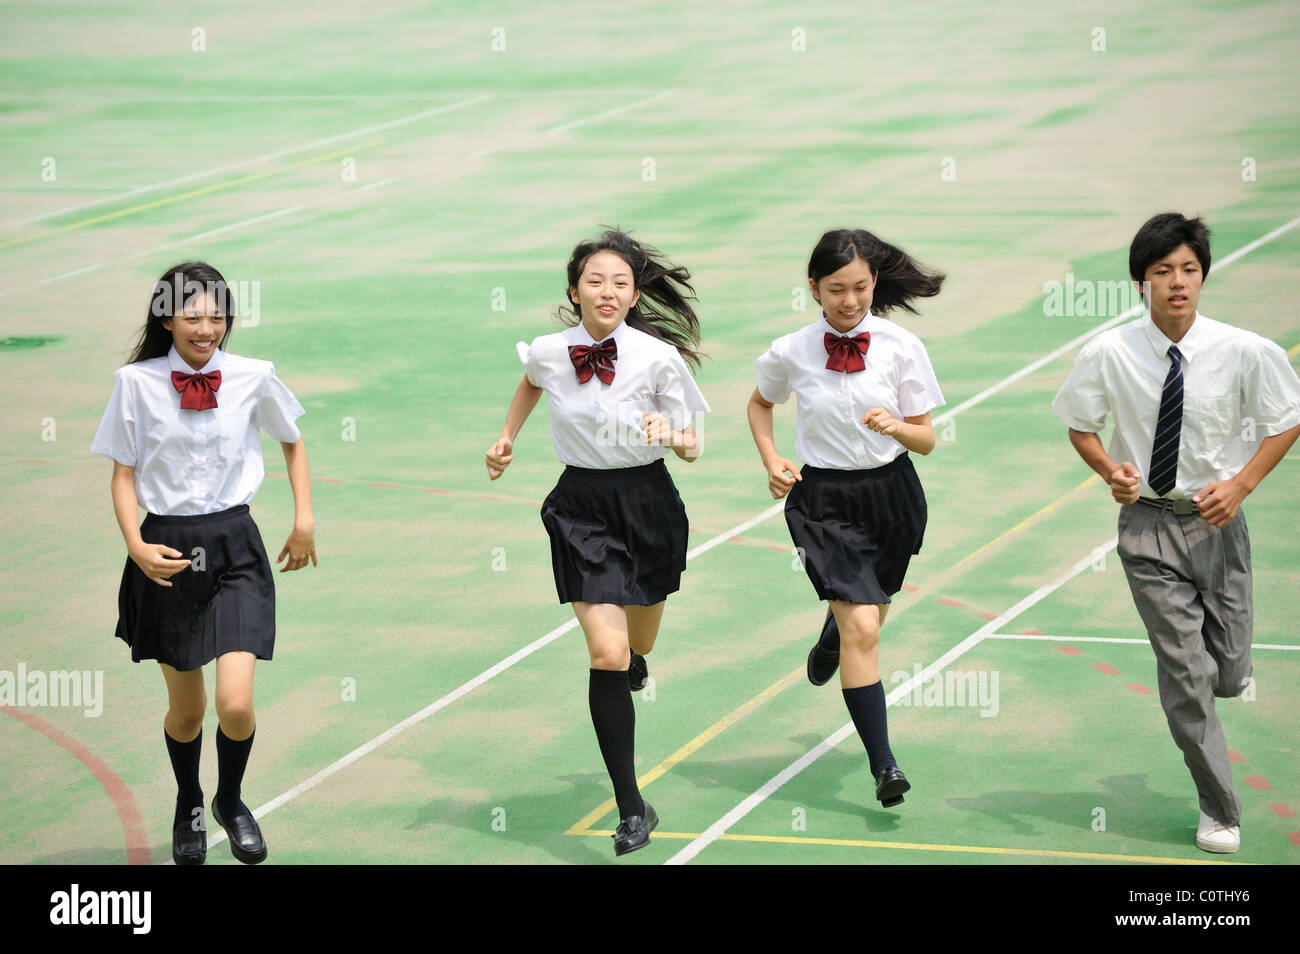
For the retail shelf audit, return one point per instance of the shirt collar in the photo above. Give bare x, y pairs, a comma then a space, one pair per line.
584, 337
1187, 347
857, 329
176, 363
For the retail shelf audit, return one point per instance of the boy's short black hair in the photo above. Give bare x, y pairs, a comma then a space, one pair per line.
1163, 233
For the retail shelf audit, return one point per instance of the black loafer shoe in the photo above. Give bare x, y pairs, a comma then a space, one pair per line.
634, 831
189, 847
891, 783
822, 663
245, 837
637, 672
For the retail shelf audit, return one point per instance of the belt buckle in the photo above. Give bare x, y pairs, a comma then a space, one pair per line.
1179, 508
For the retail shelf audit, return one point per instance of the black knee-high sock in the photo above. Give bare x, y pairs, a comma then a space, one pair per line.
232, 757
614, 718
867, 707
830, 637
185, 766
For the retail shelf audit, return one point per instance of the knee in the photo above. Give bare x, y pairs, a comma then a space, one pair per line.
861, 635
613, 660
1187, 734
1233, 679
235, 709
186, 714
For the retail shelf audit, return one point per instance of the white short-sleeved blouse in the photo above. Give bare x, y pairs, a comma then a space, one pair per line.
191, 462
601, 426
898, 377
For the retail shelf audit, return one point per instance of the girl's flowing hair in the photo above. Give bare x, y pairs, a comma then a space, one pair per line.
663, 310
178, 285
899, 278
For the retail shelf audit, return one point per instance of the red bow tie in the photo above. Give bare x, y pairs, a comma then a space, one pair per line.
198, 391
598, 360
846, 353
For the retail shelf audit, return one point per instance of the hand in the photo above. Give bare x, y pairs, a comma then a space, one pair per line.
777, 481
300, 547
881, 421
158, 561
1219, 501
657, 430
499, 456
1125, 482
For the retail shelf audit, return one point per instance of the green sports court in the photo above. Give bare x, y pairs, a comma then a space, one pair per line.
399, 185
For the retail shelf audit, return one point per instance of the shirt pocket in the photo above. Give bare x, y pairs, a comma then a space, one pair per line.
1210, 425
233, 442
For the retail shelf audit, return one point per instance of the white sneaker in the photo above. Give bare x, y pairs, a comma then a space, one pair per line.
1216, 837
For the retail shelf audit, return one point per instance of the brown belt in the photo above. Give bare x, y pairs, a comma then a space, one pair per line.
1180, 507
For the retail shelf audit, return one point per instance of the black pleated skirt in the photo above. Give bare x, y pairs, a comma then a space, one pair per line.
223, 602
617, 536
857, 529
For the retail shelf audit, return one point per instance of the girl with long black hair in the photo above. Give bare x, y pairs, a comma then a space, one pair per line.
856, 510
181, 428
620, 396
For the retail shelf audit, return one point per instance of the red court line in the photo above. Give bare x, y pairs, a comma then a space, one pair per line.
1295, 837
137, 845
1068, 650
1033, 632
1140, 689
947, 602
1235, 756
1282, 809
1257, 782
757, 543
1106, 668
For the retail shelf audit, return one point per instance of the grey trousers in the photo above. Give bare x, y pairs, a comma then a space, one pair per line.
1191, 583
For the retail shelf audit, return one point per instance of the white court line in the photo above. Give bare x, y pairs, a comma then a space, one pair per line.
1133, 312
376, 185
446, 700
579, 122
610, 112
719, 827
192, 238
1114, 639
415, 117
708, 545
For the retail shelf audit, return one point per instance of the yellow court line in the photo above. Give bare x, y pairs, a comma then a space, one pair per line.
156, 203
731, 718
1026, 522
1294, 351
919, 846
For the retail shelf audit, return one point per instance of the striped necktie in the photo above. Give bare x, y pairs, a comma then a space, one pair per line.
1164, 453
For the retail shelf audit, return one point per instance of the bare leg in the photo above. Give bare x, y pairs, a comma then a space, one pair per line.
186, 703
859, 625
605, 627
235, 695
643, 626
